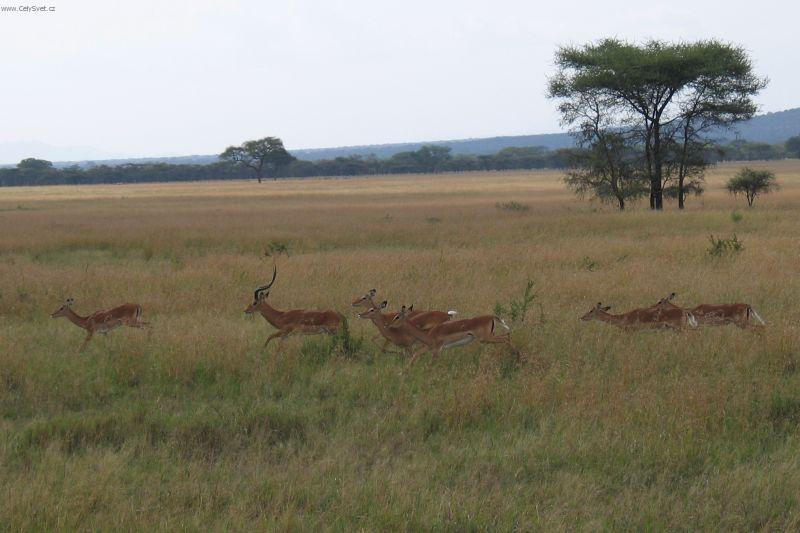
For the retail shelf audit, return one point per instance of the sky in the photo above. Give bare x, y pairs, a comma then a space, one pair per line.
154, 78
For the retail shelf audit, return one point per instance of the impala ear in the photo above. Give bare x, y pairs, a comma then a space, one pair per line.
599, 305
606, 308
410, 308
69, 302
383, 304
373, 292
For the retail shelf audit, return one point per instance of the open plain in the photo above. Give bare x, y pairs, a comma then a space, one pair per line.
193, 425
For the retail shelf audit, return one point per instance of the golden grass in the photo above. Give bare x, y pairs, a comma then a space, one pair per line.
195, 426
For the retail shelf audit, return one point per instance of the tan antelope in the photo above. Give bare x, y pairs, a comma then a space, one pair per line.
719, 314
650, 318
454, 333
391, 335
296, 321
424, 320
102, 321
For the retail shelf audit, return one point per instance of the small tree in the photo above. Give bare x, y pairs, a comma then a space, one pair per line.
259, 155
751, 183
606, 165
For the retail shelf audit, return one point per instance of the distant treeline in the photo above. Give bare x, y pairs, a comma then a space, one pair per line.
428, 159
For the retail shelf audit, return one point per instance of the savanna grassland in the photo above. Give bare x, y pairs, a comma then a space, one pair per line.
194, 426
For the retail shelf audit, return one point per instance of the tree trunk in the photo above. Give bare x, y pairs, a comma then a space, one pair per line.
621, 201
656, 195
680, 192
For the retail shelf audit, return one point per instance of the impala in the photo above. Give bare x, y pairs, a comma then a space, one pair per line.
296, 321
643, 319
394, 335
424, 320
102, 321
453, 333
718, 315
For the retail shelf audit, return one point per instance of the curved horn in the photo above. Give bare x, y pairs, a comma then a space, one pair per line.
262, 288
274, 275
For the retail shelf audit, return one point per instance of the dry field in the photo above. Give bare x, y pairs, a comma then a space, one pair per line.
196, 427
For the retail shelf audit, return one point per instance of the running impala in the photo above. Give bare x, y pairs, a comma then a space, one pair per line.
102, 321
394, 335
296, 321
719, 314
650, 318
424, 320
453, 333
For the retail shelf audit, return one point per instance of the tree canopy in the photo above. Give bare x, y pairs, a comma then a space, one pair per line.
662, 98
752, 183
259, 155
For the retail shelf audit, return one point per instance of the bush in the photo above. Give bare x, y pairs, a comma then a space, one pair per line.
720, 246
517, 308
512, 206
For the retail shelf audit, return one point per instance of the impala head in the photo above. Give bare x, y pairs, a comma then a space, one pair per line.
261, 293
366, 300
373, 311
64, 309
596, 311
401, 317
666, 302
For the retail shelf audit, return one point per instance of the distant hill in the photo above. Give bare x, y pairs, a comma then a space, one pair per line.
770, 128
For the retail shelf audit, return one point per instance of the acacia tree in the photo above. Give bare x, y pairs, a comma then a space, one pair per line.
751, 183
653, 89
259, 155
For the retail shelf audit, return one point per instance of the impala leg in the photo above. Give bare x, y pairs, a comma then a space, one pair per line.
278, 334
86, 341
417, 354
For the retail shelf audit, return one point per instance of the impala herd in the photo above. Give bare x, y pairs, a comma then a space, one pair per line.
431, 331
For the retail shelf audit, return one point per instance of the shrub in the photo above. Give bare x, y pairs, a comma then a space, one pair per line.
589, 264
720, 246
512, 206
276, 248
517, 308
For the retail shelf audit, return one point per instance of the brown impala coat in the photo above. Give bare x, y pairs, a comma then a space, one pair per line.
102, 321
424, 320
718, 314
296, 321
454, 333
643, 319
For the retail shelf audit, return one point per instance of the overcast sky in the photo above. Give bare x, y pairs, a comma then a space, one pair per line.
145, 78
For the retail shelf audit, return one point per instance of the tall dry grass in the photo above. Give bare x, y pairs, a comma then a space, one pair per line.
195, 426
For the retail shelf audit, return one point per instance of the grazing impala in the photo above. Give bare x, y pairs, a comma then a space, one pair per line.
718, 315
643, 319
453, 333
296, 321
102, 321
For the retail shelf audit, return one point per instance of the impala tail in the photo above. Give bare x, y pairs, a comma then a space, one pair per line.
752, 312
502, 322
691, 319
452, 312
